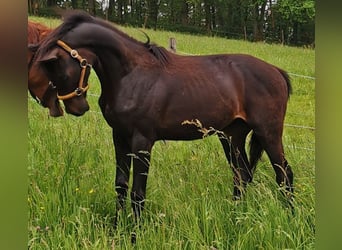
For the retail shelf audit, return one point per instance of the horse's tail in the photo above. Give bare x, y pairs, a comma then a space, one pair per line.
255, 152
287, 79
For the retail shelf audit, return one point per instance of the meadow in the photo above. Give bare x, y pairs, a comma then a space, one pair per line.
71, 172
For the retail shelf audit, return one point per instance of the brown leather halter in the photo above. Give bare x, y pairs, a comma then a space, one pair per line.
83, 64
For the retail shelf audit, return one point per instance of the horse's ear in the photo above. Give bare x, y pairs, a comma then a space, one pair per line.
49, 57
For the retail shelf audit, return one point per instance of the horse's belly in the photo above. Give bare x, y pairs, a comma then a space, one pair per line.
191, 129
179, 134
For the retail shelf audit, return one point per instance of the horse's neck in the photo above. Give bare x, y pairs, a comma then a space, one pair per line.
110, 70
116, 55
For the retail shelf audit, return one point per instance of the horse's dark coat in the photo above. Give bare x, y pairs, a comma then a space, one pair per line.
149, 94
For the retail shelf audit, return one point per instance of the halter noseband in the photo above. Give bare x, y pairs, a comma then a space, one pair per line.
83, 64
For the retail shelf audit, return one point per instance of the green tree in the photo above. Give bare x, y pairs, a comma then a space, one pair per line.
295, 20
284, 21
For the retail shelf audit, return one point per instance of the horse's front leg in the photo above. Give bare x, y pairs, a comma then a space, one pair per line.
141, 147
123, 163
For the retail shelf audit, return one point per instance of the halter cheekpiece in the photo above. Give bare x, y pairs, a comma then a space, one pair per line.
83, 64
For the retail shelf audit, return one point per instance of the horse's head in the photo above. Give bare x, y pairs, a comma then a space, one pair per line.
69, 71
40, 87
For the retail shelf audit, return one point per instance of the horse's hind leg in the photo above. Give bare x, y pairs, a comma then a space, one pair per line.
255, 152
272, 143
234, 147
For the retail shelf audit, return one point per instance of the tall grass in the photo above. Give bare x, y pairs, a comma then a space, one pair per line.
71, 167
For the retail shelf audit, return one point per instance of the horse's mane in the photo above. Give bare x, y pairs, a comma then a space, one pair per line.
72, 19
36, 32
160, 53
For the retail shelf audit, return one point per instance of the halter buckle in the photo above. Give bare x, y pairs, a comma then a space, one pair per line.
78, 91
74, 53
83, 63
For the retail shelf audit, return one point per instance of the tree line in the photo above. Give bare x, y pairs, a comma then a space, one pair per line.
290, 22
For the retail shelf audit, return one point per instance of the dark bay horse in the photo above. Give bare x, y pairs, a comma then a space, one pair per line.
149, 94
40, 88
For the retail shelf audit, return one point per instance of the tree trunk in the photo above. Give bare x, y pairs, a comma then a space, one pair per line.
272, 15
153, 9
258, 21
74, 4
111, 8
208, 20
120, 10
294, 39
29, 6
92, 7
51, 3
213, 16
184, 13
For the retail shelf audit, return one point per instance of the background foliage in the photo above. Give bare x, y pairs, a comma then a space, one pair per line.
278, 21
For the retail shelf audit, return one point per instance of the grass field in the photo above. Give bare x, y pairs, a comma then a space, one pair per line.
71, 167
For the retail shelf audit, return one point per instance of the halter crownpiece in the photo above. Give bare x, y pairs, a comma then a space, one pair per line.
83, 64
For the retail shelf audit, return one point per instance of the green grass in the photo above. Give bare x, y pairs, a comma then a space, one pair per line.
71, 167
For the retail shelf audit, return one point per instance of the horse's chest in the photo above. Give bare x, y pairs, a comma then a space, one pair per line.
119, 114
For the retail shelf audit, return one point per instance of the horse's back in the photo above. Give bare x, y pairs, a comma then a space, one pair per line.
236, 86
234, 71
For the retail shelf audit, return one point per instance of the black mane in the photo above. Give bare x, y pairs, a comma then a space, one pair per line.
160, 53
72, 19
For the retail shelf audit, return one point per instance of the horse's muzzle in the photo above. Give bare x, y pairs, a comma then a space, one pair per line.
76, 106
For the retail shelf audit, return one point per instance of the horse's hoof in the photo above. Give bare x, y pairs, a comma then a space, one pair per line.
133, 238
